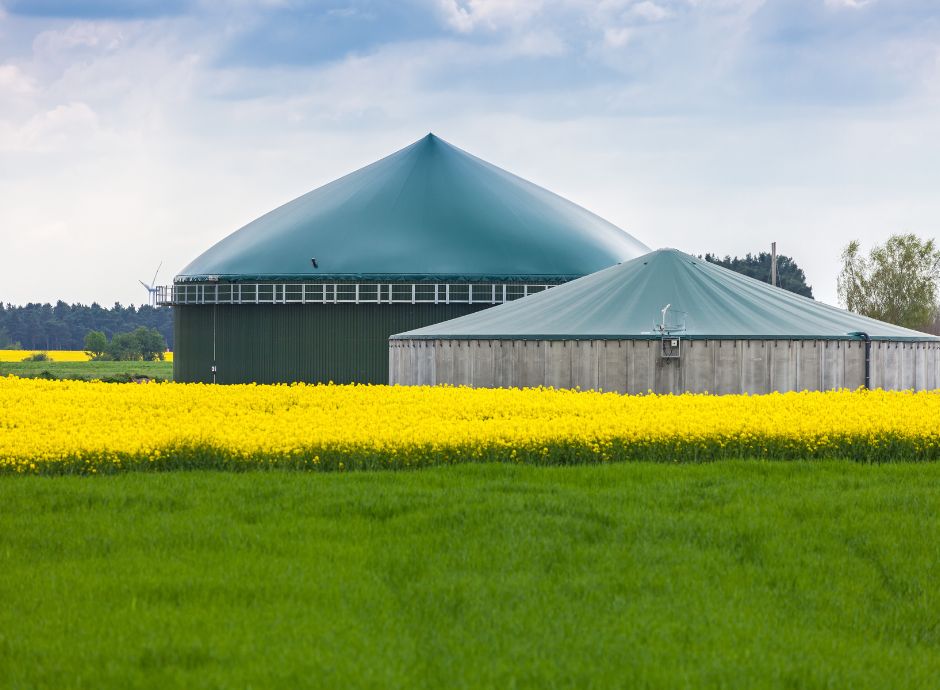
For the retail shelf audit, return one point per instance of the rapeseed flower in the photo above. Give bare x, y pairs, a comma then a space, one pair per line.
51, 427
56, 355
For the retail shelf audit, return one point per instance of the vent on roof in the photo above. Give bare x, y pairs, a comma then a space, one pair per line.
671, 324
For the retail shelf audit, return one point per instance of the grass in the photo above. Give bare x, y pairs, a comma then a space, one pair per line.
86, 371
731, 575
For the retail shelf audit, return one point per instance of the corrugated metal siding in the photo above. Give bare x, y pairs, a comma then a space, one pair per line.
343, 343
192, 358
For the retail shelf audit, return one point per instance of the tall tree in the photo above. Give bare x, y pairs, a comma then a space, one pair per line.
897, 282
789, 275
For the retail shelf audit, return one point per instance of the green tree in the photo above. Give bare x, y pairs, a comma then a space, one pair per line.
897, 282
150, 343
96, 344
789, 275
123, 347
141, 343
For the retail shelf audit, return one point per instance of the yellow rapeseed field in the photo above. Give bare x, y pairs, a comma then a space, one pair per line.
56, 355
77, 427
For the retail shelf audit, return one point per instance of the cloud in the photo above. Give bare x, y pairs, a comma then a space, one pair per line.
70, 124
539, 43
100, 37
650, 11
13, 82
850, 4
618, 37
466, 16
457, 16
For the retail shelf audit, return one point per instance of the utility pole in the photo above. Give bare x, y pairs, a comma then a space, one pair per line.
773, 264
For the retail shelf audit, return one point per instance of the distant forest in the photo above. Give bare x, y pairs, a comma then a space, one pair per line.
64, 326
789, 275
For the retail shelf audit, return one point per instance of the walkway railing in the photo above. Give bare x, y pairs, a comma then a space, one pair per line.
344, 293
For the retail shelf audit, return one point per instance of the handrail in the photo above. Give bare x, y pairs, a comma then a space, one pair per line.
344, 293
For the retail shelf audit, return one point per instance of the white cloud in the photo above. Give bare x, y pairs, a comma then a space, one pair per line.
467, 15
456, 16
848, 4
101, 36
72, 125
14, 82
540, 44
727, 5
650, 11
618, 37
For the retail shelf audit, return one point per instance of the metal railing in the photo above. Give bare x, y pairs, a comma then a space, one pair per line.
344, 293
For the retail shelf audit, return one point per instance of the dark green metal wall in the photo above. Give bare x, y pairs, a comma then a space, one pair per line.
270, 343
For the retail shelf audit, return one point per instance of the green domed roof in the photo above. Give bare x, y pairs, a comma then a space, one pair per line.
706, 301
428, 212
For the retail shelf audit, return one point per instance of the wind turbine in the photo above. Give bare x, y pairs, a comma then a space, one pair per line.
152, 288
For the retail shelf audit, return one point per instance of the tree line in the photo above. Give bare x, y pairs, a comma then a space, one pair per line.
64, 326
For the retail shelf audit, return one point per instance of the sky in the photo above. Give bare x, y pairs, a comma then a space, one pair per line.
135, 132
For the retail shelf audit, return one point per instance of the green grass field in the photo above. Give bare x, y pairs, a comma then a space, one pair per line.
731, 575
106, 371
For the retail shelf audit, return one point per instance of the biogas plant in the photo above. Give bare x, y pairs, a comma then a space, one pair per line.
312, 290
432, 266
668, 322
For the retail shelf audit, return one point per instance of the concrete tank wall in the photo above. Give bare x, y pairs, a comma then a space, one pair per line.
636, 366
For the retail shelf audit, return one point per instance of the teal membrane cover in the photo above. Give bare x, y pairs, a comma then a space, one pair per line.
428, 212
627, 301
